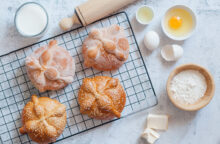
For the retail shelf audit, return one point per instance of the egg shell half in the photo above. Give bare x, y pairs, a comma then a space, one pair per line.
172, 52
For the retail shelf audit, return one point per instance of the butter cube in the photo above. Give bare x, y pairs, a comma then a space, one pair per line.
150, 135
157, 122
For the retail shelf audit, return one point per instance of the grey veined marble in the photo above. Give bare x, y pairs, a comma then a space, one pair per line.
201, 127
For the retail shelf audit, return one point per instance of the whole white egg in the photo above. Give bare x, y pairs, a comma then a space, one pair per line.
151, 40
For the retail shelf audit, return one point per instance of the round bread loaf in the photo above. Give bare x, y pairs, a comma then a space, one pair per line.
50, 67
43, 119
101, 97
105, 48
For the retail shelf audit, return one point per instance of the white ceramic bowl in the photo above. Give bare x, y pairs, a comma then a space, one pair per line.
139, 21
194, 22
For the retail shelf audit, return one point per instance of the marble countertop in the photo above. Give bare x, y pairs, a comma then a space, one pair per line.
201, 127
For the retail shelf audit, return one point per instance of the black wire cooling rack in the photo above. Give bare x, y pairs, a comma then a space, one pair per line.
16, 89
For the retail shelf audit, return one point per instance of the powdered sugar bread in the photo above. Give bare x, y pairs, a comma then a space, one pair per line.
101, 97
106, 48
50, 67
43, 119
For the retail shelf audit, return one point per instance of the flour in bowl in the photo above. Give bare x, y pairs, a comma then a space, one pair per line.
188, 86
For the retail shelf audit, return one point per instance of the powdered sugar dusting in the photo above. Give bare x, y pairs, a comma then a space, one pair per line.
106, 48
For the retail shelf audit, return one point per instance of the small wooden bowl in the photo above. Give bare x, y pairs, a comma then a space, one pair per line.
201, 102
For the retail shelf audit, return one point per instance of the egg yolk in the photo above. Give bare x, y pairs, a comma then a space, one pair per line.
175, 22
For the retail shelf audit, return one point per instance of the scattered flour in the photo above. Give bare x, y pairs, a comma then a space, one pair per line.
188, 86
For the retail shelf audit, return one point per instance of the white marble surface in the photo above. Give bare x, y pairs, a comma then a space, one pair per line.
202, 127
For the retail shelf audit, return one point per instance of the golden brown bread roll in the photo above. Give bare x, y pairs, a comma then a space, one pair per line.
43, 119
101, 97
50, 67
105, 48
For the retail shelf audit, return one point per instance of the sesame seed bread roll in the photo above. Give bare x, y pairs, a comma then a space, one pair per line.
43, 119
101, 97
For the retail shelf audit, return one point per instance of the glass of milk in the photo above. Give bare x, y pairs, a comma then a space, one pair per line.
31, 20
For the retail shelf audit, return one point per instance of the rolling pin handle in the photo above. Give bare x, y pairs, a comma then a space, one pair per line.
75, 19
67, 23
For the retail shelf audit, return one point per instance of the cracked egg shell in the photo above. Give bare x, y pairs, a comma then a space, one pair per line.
171, 52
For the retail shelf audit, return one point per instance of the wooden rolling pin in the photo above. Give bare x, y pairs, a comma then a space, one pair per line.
91, 11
